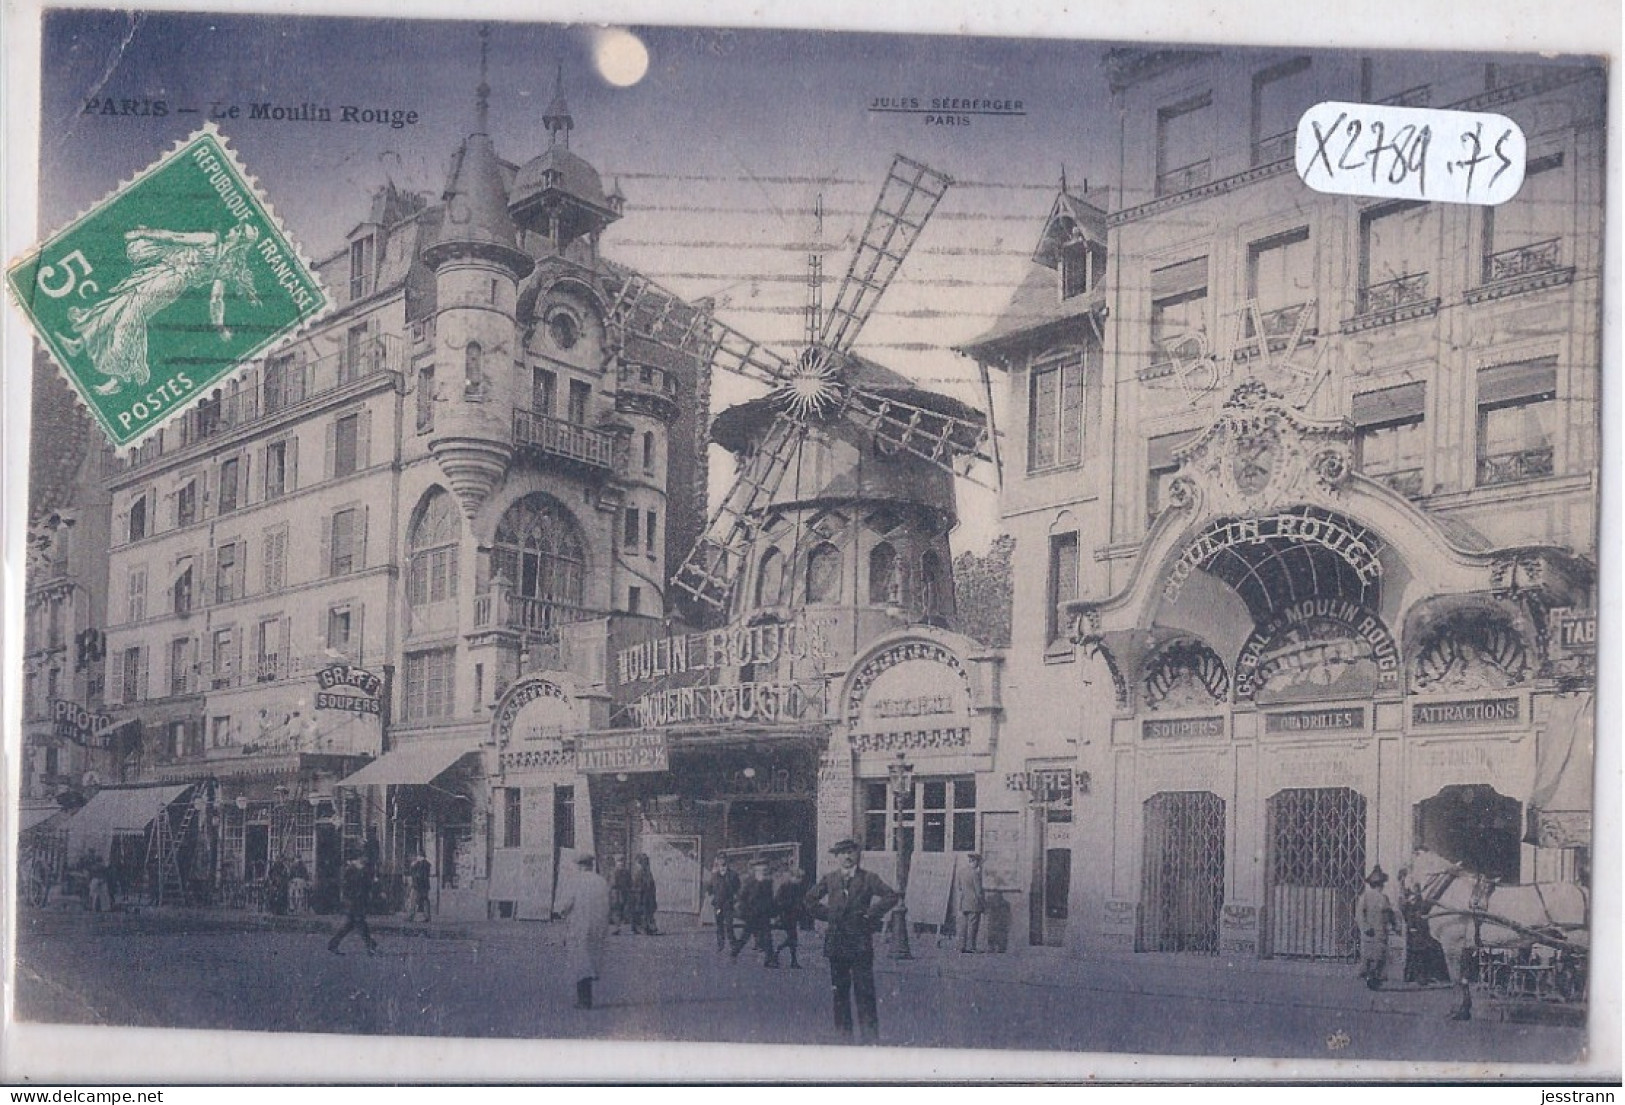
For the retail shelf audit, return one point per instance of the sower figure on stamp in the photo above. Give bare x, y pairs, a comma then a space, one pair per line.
968, 892
355, 888
1374, 919
853, 902
723, 887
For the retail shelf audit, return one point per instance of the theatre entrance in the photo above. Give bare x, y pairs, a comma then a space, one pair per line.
1182, 880
1314, 868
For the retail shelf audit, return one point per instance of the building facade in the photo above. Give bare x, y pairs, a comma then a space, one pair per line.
1304, 492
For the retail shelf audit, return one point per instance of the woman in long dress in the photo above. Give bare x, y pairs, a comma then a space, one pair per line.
168, 263
585, 907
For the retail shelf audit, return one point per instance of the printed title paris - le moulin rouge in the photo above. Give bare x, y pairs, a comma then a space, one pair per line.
393, 117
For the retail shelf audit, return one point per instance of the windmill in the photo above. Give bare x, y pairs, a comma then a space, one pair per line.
824, 384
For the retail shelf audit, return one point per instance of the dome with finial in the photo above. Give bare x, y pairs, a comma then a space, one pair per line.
559, 178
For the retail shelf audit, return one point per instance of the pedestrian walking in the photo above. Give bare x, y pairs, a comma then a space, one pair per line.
723, 887
620, 894
99, 885
641, 897
1374, 918
1424, 956
789, 907
852, 902
418, 874
584, 905
972, 899
756, 911
355, 889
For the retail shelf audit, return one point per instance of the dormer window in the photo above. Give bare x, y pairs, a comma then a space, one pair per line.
1081, 263
361, 267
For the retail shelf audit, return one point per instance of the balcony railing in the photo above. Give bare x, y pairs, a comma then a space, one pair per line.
559, 438
1508, 264
1277, 147
499, 608
1185, 177
1282, 321
1524, 464
282, 387
1391, 295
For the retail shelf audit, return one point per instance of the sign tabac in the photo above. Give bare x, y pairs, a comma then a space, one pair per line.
159, 292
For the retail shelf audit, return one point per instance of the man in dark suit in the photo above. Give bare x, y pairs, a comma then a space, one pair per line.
356, 888
724, 889
756, 910
853, 902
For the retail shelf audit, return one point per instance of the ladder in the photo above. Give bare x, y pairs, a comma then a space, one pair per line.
163, 866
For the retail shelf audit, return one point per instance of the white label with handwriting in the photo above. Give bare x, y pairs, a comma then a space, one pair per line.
1411, 153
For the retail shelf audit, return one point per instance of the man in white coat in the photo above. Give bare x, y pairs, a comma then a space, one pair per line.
584, 904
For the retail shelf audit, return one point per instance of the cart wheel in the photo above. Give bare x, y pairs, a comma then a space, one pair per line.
36, 885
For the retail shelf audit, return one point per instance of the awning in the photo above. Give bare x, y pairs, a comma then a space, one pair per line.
111, 812
37, 815
415, 763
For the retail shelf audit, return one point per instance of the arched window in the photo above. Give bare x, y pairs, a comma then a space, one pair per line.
432, 544
885, 583
648, 451
933, 589
770, 579
824, 574
538, 551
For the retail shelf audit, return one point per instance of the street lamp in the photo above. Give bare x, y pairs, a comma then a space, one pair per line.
901, 777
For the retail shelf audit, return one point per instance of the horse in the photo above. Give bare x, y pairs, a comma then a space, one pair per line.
1467, 911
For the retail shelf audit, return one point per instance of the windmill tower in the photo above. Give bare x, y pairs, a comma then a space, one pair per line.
845, 491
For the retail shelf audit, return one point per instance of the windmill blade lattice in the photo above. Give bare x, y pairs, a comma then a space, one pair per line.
942, 439
907, 199
644, 308
714, 563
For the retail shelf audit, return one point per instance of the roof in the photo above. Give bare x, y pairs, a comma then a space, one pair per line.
1035, 305
476, 200
411, 764
574, 176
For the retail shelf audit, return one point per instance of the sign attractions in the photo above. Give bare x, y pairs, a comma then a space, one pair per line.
633, 750
1475, 711
769, 702
733, 647
1325, 532
76, 723
349, 688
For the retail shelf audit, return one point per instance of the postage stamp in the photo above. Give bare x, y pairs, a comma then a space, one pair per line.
163, 288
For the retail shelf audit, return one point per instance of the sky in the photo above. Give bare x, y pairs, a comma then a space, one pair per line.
722, 148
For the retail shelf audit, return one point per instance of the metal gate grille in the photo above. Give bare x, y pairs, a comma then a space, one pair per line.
1183, 881
1315, 866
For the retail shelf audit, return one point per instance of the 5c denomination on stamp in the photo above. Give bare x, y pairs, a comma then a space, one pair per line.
165, 287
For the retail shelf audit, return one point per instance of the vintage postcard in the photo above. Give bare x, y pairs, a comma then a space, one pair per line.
1047, 555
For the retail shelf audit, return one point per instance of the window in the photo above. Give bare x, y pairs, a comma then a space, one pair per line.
276, 558
186, 503
885, 584
220, 731
1281, 280
580, 395
175, 740
136, 594
361, 267
283, 383
429, 684
564, 816
1063, 581
223, 658
538, 551
542, 386
1280, 95
182, 589
1517, 421
426, 397
1184, 145
1389, 440
138, 518
1394, 241
343, 542
276, 469
346, 444
770, 579
431, 581
473, 369
629, 528
1161, 468
1055, 415
648, 451
651, 529
634, 600
1178, 306
937, 815
230, 471
180, 665
1081, 265
338, 630
1524, 235
228, 573
512, 825
933, 584
824, 574
356, 353
268, 650
134, 675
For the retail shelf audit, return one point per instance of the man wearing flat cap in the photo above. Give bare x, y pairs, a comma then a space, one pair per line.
972, 899
853, 902
1374, 919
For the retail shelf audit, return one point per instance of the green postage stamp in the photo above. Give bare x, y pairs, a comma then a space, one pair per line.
161, 290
